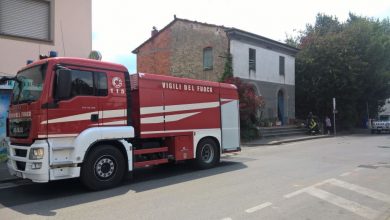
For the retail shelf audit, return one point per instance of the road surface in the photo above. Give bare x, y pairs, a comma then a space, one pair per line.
346, 177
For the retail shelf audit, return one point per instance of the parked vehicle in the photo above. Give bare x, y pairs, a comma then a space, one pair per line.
72, 117
380, 125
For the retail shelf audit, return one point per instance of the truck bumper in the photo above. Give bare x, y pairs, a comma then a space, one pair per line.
20, 165
380, 129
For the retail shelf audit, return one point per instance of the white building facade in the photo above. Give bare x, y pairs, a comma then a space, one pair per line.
270, 67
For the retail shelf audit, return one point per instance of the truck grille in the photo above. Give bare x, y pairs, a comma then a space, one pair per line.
19, 128
20, 165
20, 153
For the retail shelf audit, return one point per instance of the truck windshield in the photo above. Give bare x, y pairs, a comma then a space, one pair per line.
384, 117
29, 84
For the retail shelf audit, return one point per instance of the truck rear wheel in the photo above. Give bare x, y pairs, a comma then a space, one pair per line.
103, 168
207, 154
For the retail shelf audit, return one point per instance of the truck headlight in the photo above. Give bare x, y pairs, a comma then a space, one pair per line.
36, 153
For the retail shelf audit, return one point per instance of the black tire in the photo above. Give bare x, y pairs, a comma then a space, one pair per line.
207, 154
372, 131
103, 168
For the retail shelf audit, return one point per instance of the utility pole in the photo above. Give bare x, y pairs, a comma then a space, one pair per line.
334, 116
368, 123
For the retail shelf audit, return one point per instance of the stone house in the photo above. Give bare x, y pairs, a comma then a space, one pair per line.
185, 48
198, 50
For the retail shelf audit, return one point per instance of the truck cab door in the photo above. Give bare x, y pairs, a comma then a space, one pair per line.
71, 115
112, 98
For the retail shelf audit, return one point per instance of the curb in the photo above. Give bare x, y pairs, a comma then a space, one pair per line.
271, 143
11, 179
5, 176
306, 138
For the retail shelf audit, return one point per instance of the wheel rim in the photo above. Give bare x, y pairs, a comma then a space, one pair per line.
207, 153
105, 167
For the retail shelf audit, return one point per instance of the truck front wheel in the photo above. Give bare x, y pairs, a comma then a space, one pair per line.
103, 168
207, 154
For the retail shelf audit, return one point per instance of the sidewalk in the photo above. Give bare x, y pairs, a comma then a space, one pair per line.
4, 174
281, 140
295, 138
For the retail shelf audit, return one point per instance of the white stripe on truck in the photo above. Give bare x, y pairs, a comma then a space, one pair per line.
174, 108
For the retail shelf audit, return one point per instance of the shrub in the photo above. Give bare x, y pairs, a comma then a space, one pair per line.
250, 106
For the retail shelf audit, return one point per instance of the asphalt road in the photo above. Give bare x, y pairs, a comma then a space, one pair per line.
345, 177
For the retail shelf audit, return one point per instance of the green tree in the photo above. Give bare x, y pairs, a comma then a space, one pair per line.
228, 68
349, 61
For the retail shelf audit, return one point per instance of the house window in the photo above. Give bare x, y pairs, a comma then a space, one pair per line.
208, 58
25, 18
281, 66
252, 59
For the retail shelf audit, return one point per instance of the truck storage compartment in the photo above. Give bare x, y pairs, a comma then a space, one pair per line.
181, 147
170, 106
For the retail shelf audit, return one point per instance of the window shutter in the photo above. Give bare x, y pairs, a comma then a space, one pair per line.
25, 18
281, 66
252, 59
208, 58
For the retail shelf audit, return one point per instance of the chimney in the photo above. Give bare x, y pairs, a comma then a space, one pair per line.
154, 31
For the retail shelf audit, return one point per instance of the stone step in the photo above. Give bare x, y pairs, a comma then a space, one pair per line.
282, 131
287, 127
283, 134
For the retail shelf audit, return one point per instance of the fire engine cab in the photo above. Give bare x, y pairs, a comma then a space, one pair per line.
72, 117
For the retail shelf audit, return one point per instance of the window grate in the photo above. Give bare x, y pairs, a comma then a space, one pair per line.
252, 59
281, 65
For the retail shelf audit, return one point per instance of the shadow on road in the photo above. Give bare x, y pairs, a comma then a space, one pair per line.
69, 193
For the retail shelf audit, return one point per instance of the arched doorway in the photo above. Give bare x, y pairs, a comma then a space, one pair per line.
255, 90
281, 106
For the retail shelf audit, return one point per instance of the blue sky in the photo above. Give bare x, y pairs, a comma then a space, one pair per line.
119, 26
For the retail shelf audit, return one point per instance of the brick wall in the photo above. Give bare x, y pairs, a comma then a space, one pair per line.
188, 41
178, 50
154, 56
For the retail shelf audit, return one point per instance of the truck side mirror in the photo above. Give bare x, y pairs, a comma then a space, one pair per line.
4, 79
64, 84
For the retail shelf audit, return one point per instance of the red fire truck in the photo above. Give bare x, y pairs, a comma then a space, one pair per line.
72, 117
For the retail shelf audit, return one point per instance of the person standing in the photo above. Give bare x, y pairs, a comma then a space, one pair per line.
308, 120
328, 124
